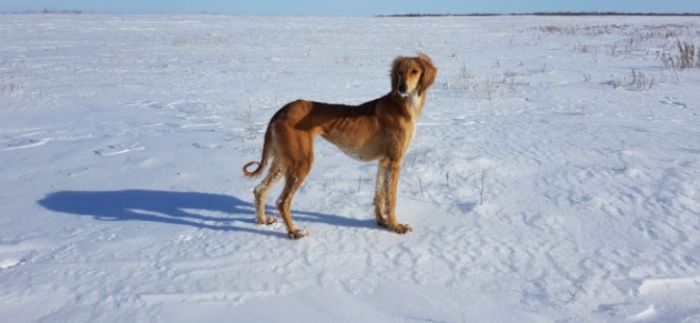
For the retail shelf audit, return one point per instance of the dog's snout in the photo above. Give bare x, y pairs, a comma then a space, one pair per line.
402, 88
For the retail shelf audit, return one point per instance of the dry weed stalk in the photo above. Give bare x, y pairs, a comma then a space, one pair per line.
252, 128
684, 59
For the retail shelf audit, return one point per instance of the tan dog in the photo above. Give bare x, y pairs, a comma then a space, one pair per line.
380, 129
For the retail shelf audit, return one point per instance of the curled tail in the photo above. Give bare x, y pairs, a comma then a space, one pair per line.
262, 164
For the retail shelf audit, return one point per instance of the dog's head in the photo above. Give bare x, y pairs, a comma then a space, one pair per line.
411, 75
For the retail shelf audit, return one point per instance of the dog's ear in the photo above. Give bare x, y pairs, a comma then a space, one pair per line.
429, 72
394, 71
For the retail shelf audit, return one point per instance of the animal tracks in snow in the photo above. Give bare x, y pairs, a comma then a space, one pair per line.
113, 150
206, 145
25, 143
673, 102
20, 139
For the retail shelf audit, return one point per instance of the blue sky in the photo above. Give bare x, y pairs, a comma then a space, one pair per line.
350, 7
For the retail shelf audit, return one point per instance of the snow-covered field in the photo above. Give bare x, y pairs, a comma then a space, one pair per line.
554, 175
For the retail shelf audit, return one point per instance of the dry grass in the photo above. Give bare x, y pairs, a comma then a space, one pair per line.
623, 48
252, 129
635, 41
640, 81
686, 56
636, 81
11, 86
464, 79
638, 33
587, 77
582, 30
208, 40
490, 88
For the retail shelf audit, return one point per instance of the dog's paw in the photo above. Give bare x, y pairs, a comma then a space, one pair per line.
382, 224
402, 228
298, 234
267, 220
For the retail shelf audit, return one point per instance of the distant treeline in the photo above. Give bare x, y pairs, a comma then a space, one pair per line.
48, 11
558, 13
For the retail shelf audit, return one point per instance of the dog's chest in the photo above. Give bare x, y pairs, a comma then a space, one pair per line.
363, 153
414, 104
413, 101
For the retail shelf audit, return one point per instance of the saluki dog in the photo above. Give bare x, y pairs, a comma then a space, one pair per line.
381, 129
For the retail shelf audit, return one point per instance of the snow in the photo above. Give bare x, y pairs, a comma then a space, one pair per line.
544, 182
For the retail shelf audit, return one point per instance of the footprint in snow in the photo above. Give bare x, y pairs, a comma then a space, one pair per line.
144, 104
113, 150
466, 207
25, 143
206, 145
630, 311
669, 100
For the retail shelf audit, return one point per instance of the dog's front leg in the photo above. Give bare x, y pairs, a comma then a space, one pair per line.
392, 171
380, 194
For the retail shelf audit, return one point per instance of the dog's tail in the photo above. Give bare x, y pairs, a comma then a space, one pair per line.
262, 164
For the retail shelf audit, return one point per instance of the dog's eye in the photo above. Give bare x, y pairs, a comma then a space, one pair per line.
414, 72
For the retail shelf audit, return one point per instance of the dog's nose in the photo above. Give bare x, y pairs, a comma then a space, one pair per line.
402, 88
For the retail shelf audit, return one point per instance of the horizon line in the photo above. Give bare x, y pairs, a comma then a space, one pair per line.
398, 15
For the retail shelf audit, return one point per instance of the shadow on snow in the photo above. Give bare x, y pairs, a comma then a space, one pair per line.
180, 208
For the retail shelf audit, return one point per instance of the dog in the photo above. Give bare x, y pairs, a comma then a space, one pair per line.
381, 129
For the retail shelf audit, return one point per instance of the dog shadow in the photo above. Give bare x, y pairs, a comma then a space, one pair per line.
178, 208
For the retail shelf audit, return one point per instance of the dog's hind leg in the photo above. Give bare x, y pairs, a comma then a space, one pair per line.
292, 183
295, 157
261, 191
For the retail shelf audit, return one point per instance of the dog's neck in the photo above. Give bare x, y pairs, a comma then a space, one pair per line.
412, 102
